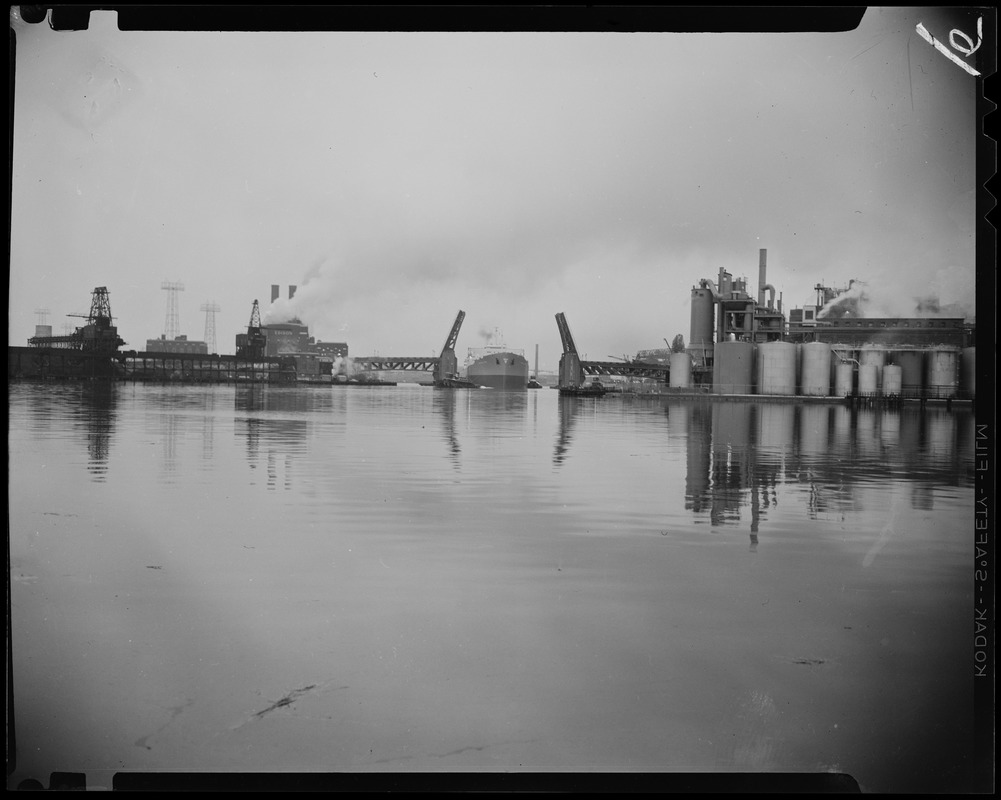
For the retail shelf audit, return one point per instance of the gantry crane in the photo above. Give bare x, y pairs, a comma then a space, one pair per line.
253, 349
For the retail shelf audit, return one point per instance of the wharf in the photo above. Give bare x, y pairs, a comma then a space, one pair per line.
858, 401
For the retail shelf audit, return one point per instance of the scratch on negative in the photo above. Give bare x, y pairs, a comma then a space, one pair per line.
287, 700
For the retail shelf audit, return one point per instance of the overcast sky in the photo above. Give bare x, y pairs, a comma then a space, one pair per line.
397, 178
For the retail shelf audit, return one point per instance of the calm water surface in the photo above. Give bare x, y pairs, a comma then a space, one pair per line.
407, 579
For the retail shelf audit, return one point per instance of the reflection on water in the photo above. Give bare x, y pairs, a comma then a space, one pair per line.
407, 578
97, 407
737, 453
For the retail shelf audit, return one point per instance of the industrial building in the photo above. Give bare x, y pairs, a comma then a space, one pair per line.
179, 344
742, 346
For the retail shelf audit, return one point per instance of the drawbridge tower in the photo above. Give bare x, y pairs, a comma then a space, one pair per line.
447, 366
571, 371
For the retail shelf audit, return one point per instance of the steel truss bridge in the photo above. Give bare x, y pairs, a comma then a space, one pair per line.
409, 363
628, 369
573, 369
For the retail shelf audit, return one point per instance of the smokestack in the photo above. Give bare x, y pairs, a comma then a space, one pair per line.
291, 292
762, 280
275, 292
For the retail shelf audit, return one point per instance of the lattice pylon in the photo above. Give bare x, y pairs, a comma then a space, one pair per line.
172, 325
210, 310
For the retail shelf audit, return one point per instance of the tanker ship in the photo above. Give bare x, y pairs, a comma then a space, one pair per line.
497, 367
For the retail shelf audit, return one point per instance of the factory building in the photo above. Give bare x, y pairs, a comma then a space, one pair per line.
291, 338
179, 344
739, 345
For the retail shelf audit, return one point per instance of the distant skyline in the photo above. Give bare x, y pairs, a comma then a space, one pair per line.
396, 178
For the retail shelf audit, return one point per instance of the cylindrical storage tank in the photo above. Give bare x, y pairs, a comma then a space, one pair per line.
892, 380
43, 330
733, 368
700, 339
968, 372
815, 371
844, 379
868, 379
777, 368
872, 355
942, 373
681, 370
912, 371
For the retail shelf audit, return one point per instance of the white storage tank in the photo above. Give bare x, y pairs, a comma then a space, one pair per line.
942, 372
681, 371
844, 379
816, 369
777, 368
868, 379
733, 368
892, 380
875, 356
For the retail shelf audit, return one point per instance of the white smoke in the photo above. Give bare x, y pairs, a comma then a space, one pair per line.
316, 297
343, 365
946, 297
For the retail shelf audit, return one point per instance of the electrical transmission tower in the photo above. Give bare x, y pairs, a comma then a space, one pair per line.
210, 310
172, 327
43, 316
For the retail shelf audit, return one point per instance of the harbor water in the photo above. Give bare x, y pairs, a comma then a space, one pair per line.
404, 579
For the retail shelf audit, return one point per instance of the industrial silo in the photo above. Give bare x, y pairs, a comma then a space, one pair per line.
912, 371
868, 379
681, 370
942, 372
777, 368
733, 368
700, 339
968, 372
892, 380
874, 357
844, 379
815, 369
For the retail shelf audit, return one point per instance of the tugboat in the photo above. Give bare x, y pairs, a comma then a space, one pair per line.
594, 389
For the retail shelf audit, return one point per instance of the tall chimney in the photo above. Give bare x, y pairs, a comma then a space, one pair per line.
291, 292
762, 279
275, 291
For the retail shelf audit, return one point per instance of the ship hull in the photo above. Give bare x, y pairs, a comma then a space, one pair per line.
504, 371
